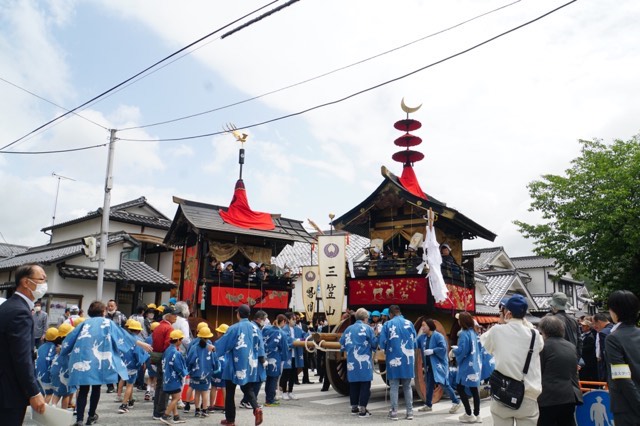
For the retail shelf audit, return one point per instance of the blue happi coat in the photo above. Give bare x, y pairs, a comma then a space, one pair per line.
468, 358
297, 352
398, 340
46, 353
359, 342
60, 376
133, 359
94, 352
276, 349
262, 372
202, 363
174, 369
243, 342
439, 360
216, 378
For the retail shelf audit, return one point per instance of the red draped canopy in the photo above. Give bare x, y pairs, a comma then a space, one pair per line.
410, 182
240, 214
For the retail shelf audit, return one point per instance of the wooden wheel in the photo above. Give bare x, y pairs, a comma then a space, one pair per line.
336, 363
421, 386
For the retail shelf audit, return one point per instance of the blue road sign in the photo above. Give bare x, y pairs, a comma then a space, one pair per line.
596, 409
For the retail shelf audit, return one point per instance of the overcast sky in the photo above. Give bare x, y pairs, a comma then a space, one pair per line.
494, 119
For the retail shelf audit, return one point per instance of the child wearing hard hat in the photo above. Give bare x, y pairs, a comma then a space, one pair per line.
134, 357
201, 363
175, 370
217, 383
60, 372
46, 353
152, 370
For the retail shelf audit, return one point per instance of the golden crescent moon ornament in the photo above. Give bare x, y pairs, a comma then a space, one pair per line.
407, 109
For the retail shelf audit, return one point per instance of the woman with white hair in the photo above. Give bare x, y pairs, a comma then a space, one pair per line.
359, 342
182, 324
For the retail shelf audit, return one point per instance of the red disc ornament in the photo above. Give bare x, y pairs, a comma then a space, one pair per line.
407, 125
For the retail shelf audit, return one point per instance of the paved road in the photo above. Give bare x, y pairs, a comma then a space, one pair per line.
312, 407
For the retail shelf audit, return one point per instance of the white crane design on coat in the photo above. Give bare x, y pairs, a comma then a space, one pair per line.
101, 356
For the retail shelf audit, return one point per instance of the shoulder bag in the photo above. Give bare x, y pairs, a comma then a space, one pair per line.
509, 391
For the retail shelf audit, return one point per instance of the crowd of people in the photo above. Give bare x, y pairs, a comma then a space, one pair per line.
249, 273
74, 360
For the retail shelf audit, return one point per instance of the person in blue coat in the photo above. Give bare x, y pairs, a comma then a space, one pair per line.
434, 349
62, 390
46, 353
218, 384
398, 340
276, 349
294, 360
152, 370
242, 342
133, 359
359, 342
259, 319
467, 354
94, 357
175, 370
202, 363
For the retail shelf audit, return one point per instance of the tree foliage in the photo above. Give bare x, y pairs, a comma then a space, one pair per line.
592, 215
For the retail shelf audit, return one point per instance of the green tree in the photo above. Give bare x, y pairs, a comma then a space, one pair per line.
592, 215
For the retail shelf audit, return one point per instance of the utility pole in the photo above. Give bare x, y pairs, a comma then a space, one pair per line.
106, 207
55, 203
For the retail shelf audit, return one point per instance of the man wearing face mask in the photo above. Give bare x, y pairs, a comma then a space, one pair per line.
18, 386
39, 323
114, 314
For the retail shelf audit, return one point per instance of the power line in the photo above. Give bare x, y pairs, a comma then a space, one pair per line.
308, 80
136, 75
57, 151
52, 103
336, 101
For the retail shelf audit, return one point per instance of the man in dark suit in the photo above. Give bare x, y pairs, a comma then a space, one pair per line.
18, 386
603, 326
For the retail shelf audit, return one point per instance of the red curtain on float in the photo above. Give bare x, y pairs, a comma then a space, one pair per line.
410, 182
240, 214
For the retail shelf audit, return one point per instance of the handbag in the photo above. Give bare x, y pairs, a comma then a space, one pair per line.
509, 391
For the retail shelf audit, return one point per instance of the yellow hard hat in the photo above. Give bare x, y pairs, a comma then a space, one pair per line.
205, 333
176, 334
160, 308
132, 324
201, 324
152, 306
51, 334
222, 328
154, 325
79, 320
64, 329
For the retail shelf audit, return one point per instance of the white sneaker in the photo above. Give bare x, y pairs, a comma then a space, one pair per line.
455, 407
466, 418
285, 396
426, 408
292, 396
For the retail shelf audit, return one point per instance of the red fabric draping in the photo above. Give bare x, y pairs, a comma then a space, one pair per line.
388, 291
410, 182
240, 214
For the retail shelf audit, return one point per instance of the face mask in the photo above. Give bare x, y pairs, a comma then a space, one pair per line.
38, 308
40, 291
112, 311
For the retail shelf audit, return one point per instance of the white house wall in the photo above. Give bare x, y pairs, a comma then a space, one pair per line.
77, 230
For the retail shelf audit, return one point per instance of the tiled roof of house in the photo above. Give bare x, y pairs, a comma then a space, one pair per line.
51, 253
118, 213
485, 256
498, 285
299, 254
132, 271
9, 250
529, 262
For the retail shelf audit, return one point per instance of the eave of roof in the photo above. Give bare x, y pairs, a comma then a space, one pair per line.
131, 272
202, 217
469, 228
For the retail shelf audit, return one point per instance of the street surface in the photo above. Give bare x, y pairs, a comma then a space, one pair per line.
312, 407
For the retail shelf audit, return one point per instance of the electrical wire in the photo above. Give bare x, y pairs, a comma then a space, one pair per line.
57, 151
308, 80
135, 76
50, 102
336, 101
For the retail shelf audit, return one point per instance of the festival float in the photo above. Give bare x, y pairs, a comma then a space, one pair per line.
406, 226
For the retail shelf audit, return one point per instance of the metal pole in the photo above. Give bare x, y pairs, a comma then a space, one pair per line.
55, 203
106, 207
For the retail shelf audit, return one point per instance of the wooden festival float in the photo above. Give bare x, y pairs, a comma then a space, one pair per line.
205, 235
395, 218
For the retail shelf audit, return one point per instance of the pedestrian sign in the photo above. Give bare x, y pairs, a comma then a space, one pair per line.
596, 410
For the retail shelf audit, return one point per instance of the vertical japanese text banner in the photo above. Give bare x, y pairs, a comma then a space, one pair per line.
310, 278
331, 261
